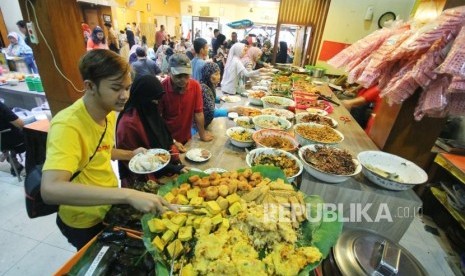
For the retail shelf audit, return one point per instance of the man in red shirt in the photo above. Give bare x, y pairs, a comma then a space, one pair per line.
182, 102
160, 36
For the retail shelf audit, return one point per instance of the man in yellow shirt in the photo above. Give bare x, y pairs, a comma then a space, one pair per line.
74, 135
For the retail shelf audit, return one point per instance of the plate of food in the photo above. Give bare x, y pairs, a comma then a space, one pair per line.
305, 117
212, 170
291, 165
244, 121
198, 155
321, 112
289, 115
248, 111
151, 161
231, 99
233, 115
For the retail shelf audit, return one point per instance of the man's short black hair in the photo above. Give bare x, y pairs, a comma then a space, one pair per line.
216, 31
199, 43
107, 24
140, 52
21, 24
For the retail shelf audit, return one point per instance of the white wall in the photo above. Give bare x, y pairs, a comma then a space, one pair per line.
346, 24
11, 14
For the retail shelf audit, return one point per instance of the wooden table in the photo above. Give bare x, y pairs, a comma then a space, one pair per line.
357, 192
20, 96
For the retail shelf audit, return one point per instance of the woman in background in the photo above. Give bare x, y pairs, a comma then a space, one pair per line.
19, 48
140, 124
235, 70
210, 77
97, 40
282, 53
251, 58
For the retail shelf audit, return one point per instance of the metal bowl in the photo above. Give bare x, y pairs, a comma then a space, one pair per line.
382, 168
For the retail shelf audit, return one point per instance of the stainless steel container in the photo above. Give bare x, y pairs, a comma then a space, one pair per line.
318, 72
363, 252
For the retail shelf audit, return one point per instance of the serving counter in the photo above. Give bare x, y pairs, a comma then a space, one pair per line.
360, 203
20, 96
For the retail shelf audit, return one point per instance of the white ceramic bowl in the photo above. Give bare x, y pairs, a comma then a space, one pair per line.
277, 102
244, 121
240, 143
317, 111
289, 115
324, 176
257, 152
299, 116
409, 173
305, 141
12, 82
258, 136
269, 122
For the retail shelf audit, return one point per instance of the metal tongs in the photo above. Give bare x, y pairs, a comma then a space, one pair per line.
328, 99
188, 209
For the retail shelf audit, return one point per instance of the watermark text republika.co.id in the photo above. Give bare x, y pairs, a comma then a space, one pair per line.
329, 212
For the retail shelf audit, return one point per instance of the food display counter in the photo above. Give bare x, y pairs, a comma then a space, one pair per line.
20, 96
360, 202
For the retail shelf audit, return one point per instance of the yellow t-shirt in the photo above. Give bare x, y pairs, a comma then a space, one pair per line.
71, 141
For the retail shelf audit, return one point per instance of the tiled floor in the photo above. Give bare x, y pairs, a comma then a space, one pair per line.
36, 247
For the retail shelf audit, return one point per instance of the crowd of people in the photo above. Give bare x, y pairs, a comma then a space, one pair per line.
164, 94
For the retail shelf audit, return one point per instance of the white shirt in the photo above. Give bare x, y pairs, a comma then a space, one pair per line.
232, 75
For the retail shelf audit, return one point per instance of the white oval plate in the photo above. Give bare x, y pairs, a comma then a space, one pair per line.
134, 167
231, 99
317, 111
233, 115
195, 155
211, 170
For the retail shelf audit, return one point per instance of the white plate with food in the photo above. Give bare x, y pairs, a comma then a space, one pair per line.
198, 155
212, 170
233, 115
231, 99
151, 161
317, 111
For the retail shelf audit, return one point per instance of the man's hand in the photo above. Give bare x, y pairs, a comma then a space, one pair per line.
148, 203
181, 147
206, 137
139, 150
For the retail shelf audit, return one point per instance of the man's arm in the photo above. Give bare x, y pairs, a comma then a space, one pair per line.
120, 154
18, 123
57, 189
200, 122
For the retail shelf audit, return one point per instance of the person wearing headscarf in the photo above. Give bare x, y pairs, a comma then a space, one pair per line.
140, 124
281, 57
19, 48
251, 57
210, 77
235, 70
97, 40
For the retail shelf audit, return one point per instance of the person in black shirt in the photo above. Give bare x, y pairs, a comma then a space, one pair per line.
12, 140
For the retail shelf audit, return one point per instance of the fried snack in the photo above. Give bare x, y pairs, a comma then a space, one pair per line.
276, 142
211, 193
223, 190
193, 179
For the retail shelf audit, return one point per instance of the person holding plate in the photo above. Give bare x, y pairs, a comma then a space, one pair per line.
140, 125
235, 70
81, 139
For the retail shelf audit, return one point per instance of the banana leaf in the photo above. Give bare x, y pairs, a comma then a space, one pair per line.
161, 265
322, 235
